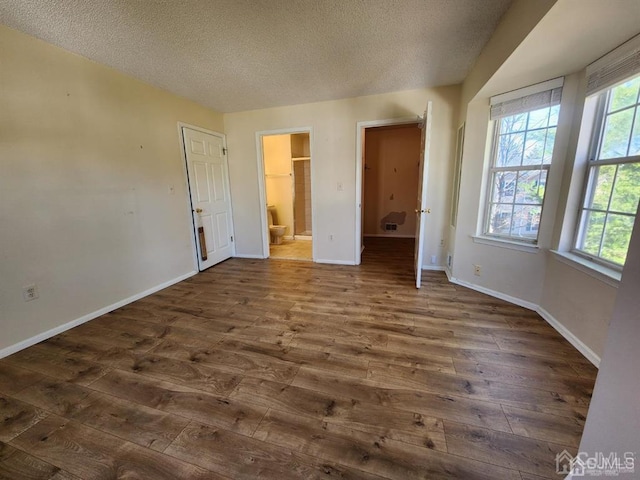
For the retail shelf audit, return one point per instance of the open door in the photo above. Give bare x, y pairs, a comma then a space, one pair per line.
421, 210
207, 171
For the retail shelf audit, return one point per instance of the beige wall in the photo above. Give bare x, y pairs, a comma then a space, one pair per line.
392, 157
278, 180
513, 273
333, 152
579, 303
515, 25
87, 159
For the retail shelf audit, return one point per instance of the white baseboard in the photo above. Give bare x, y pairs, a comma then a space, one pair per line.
447, 270
437, 268
495, 293
570, 337
258, 257
550, 319
11, 349
335, 262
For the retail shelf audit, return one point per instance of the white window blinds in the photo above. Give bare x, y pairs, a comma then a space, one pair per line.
615, 66
527, 99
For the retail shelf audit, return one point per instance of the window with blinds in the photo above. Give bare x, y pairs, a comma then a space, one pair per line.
524, 136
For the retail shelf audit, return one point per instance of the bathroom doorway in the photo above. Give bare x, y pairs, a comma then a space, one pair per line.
287, 186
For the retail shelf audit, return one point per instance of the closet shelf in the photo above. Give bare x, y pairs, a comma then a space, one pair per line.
300, 158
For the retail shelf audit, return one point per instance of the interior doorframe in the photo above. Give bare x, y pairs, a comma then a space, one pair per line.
360, 133
263, 191
189, 206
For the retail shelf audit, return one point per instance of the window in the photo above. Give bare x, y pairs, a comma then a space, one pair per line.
525, 131
613, 184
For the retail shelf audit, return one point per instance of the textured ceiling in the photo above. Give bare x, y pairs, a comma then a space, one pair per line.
234, 55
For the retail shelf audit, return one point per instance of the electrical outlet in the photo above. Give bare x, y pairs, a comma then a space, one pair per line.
30, 292
331, 238
340, 187
434, 259
477, 270
442, 242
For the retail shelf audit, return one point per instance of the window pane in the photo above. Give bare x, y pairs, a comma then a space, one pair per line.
514, 123
627, 189
616, 238
615, 138
593, 226
602, 183
548, 147
530, 187
500, 219
538, 118
624, 95
524, 145
634, 148
534, 147
553, 115
526, 221
510, 150
504, 187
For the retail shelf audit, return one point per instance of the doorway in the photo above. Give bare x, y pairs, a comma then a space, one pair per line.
287, 185
389, 172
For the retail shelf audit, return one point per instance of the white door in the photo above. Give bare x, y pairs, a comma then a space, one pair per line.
208, 175
421, 210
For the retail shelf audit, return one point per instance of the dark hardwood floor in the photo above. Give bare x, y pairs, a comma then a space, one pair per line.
280, 370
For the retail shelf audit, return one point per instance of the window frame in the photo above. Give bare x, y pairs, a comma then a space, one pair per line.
592, 163
533, 242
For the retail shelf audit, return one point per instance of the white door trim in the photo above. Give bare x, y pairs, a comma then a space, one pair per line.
185, 176
360, 127
263, 191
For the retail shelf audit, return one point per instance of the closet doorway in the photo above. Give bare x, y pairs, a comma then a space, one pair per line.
287, 189
387, 187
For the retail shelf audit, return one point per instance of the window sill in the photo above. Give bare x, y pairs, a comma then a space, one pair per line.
504, 243
606, 275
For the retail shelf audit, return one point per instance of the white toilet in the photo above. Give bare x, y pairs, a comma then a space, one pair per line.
276, 232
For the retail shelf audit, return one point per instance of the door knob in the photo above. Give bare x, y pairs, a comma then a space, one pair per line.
198, 210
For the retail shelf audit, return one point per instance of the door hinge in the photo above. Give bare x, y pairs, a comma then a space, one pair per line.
232, 238
224, 150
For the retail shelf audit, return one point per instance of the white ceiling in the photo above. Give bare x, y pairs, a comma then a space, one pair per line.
234, 55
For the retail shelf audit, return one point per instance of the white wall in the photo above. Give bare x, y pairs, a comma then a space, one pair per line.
333, 145
87, 158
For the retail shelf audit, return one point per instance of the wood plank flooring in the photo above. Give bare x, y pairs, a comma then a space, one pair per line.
279, 369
